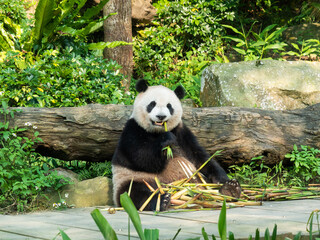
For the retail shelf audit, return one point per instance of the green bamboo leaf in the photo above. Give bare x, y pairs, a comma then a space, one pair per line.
103, 45
222, 223
64, 235
105, 228
129, 207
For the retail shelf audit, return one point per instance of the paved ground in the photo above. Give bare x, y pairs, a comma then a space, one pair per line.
290, 217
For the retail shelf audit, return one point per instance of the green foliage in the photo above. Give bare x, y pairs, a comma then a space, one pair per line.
182, 41
304, 48
257, 173
60, 79
54, 19
95, 170
306, 163
253, 46
22, 176
305, 169
13, 9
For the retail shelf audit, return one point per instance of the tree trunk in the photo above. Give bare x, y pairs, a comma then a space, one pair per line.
119, 28
91, 132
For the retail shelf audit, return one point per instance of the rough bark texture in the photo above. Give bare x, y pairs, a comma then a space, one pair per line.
91, 132
119, 28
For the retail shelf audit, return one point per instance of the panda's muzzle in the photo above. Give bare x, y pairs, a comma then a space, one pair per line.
160, 122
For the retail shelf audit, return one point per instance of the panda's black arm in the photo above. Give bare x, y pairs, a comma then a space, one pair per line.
140, 150
195, 152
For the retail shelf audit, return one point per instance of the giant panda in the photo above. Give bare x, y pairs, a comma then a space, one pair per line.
140, 154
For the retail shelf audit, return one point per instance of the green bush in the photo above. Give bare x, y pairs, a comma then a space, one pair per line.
58, 79
14, 9
184, 37
23, 178
306, 165
303, 170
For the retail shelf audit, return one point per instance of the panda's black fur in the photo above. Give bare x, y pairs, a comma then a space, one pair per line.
140, 155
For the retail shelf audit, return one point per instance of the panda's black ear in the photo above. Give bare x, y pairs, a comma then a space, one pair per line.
179, 91
141, 85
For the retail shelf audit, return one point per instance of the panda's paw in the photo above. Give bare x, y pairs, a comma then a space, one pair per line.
165, 201
168, 139
231, 188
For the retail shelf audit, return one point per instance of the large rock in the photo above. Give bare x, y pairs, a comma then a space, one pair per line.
266, 84
143, 11
87, 193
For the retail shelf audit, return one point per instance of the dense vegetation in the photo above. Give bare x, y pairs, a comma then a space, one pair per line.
52, 60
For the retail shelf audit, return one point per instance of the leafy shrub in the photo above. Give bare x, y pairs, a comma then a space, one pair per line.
22, 177
184, 38
305, 169
253, 46
306, 165
14, 9
58, 79
258, 173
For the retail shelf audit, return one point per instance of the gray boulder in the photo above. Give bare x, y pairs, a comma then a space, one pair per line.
265, 84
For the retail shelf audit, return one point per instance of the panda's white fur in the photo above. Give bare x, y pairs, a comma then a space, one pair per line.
162, 96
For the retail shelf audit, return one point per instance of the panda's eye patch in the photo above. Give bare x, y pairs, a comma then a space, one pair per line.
171, 110
151, 106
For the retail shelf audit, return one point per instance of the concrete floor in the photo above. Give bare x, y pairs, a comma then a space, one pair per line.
290, 217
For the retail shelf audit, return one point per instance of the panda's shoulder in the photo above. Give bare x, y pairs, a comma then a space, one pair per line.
133, 128
131, 125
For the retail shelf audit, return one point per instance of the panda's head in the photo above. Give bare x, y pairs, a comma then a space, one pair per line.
155, 105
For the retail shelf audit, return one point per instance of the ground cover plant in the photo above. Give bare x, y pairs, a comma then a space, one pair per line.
23, 177
302, 169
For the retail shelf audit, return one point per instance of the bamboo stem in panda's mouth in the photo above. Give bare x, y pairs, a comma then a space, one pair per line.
168, 148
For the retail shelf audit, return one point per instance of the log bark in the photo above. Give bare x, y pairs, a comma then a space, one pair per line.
119, 28
91, 132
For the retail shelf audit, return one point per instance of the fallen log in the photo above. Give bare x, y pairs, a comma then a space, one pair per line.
91, 132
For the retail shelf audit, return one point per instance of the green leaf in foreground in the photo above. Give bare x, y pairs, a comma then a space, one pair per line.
129, 207
222, 224
64, 235
105, 228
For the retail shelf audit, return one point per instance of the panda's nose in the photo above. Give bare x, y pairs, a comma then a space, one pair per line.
161, 117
